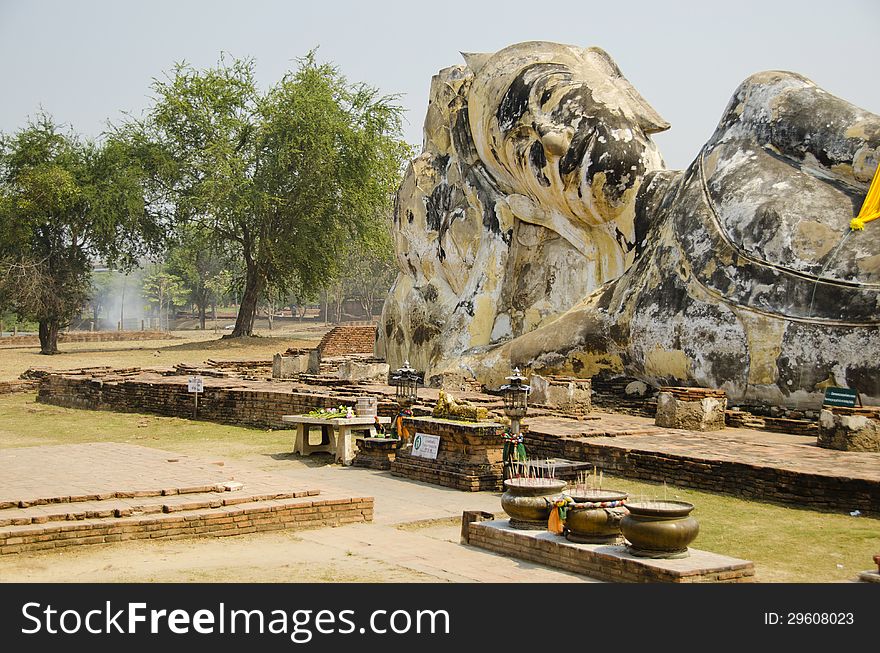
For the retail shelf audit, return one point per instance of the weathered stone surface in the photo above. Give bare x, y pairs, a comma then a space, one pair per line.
705, 414
352, 370
850, 429
287, 367
521, 201
738, 273
567, 394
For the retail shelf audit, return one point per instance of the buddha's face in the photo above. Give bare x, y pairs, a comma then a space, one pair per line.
562, 125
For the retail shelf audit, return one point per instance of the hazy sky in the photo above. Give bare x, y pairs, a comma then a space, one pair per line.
87, 61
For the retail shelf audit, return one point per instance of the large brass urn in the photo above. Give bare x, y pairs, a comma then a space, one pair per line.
659, 529
528, 501
595, 516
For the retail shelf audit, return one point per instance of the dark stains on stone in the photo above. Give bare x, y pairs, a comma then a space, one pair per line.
437, 205
538, 160
625, 245
409, 216
551, 279
442, 206
604, 300
461, 137
440, 163
467, 306
623, 163
666, 301
424, 333
652, 202
797, 374
546, 95
429, 293
515, 103
572, 158
480, 181
864, 379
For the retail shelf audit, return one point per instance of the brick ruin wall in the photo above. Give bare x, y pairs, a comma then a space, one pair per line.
727, 477
348, 339
87, 336
242, 406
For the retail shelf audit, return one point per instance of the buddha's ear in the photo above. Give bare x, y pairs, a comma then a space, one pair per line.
476, 60
650, 121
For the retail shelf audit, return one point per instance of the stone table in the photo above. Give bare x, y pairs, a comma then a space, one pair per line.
340, 443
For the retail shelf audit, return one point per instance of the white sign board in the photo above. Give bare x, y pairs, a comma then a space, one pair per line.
425, 445
195, 384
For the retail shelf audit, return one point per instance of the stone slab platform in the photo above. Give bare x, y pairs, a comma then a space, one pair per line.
869, 577
58, 496
606, 562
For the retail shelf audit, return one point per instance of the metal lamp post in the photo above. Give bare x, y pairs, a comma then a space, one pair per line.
406, 386
516, 405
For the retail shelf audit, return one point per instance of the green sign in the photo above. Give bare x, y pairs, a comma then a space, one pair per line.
841, 397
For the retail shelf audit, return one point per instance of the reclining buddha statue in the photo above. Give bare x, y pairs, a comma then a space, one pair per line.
540, 228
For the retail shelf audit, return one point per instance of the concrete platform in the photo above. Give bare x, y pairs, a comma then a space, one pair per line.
606, 562
58, 496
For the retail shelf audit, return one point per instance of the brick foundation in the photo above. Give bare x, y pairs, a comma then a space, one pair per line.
469, 457
376, 453
605, 562
212, 522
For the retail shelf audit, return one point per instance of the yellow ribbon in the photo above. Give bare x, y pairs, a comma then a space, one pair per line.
870, 207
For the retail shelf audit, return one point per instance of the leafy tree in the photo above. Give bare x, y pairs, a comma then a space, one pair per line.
220, 287
283, 178
64, 201
195, 260
165, 291
371, 268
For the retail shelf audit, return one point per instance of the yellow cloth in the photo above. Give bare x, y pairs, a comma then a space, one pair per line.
554, 523
871, 205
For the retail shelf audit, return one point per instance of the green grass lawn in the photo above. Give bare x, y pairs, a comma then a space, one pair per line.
786, 544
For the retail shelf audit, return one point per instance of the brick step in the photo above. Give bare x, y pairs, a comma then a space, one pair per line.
249, 517
120, 508
107, 496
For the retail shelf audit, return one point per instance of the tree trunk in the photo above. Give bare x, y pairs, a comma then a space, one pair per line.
247, 310
203, 314
49, 337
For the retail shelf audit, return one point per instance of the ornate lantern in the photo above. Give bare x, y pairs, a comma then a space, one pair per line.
406, 383
516, 396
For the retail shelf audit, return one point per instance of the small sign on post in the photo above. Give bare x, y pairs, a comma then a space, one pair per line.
195, 385
426, 446
841, 397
